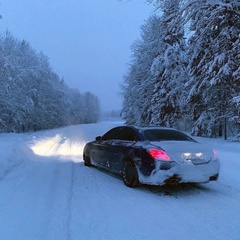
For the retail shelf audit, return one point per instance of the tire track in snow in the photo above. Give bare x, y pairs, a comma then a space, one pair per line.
59, 204
60, 191
9, 183
69, 201
18, 155
10, 169
92, 204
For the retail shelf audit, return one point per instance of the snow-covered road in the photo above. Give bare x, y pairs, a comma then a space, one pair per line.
47, 193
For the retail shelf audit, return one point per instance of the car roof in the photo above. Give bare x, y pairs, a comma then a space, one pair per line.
149, 127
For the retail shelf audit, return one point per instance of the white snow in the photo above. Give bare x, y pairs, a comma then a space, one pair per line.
47, 193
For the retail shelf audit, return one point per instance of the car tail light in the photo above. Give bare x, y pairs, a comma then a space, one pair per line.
215, 154
159, 154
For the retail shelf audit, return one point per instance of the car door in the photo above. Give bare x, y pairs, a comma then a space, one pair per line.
102, 146
99, 152
120, 147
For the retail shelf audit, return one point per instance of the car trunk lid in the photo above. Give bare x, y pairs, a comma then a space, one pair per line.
185, 151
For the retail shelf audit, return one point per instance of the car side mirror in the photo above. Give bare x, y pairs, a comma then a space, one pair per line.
98, 138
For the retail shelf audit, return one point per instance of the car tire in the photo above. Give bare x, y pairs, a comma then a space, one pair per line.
130, 174
87, 159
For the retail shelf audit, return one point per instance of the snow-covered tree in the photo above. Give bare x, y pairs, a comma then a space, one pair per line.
154, 86
168, 79
91, 108
32, 96
15, 104
214, 63
137, 88
169, 69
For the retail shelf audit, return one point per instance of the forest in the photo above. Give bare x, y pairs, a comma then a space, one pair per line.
33, 97
185, 68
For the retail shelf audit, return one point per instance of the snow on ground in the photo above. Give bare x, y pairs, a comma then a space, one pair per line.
47, 193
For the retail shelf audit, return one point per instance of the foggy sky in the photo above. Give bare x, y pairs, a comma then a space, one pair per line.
87, 41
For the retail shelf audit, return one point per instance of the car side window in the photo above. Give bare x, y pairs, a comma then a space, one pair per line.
127, 134
112, 134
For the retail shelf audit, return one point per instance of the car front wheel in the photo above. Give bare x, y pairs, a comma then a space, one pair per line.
87, 159
130, 174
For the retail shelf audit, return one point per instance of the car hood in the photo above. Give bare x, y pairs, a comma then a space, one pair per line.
177, 150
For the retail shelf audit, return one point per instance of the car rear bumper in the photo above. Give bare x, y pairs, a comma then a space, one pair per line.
182, 173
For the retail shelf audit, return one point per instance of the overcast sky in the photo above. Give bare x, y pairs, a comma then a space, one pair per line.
87, 41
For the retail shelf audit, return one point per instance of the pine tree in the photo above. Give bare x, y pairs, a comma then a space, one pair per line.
137, 88
214, 63
169, 69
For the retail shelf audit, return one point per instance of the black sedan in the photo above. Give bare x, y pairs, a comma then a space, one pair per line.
152, 155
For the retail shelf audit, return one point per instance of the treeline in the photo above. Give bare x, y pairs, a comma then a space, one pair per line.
33, 97
185, 68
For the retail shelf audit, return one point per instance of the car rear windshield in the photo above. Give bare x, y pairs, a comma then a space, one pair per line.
165, 135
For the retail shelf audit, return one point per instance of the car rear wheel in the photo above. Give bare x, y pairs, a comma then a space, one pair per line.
130, 174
